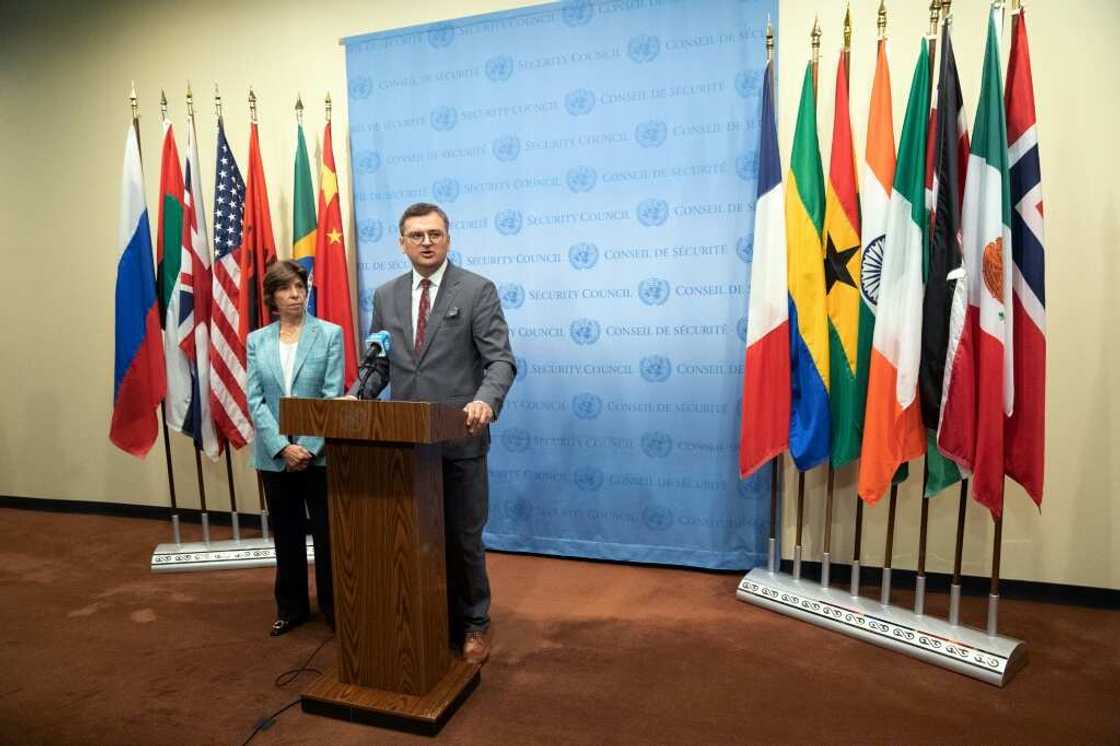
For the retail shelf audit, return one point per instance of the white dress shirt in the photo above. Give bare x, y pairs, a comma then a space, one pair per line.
436, 279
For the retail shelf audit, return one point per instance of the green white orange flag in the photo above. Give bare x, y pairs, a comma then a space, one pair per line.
841, 272
303, 215
893, 432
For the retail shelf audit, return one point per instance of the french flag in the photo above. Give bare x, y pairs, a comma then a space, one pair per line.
139, 378
1025, 428
764, 429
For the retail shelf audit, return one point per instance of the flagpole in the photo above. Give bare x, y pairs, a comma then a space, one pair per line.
888, 554
260, 484
826, 551
881, 25
233, 517
163, 403
776, 463
955, 586
203, 515
993, 594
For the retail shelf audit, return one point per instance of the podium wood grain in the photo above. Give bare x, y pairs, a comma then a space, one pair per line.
385, 490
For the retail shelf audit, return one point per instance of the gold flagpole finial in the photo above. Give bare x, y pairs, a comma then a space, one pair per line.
299, 109
190, 100
882, 22
848, 28
252, 105
162, 103
815, 35
327, 104
1016, 6
217, 101
132, 101
934, 16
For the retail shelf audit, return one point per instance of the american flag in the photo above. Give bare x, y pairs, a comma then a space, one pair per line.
228, 378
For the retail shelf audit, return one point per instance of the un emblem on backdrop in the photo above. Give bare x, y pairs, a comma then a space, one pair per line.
445, 190
651, 134
368, 162
657, 517
577, 12
518, 510
744, 247
506, 148
643, 48
515, 439
508, 222
455, 257
586, 406
444, 118
741, 329
746, 166
588, 478
583, 255
582, 179
512, 295
498, 69
360, 87
371, 231
657, 445
748, 83
580, 101
441, 36
584, 331
653, 291
522, 367
653, 211
367, 300
655, 368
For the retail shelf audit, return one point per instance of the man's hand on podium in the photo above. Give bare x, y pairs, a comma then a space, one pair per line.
479, 415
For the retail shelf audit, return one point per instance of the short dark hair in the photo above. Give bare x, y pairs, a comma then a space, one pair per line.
423, 208
280, 275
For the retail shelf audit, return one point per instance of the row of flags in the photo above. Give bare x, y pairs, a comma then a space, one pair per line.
182, 325
907, 318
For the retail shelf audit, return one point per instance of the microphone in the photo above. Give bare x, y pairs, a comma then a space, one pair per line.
378, 345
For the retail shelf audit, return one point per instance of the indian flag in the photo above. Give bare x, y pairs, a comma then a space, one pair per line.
893, 431
979, 389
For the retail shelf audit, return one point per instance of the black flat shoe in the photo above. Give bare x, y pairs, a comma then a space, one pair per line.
284, 626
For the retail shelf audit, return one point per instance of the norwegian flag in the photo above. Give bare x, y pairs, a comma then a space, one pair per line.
228, 378
1025, 428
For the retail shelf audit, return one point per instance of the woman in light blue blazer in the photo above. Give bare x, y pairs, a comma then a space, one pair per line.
297, 355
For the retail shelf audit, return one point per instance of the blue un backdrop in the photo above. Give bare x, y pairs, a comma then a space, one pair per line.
598, 162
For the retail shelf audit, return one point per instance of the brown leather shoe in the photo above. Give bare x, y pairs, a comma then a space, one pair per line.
476, 648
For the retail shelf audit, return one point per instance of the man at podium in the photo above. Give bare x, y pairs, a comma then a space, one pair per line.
450, 344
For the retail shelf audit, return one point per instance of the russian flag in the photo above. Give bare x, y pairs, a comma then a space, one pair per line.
139, 378
764, 429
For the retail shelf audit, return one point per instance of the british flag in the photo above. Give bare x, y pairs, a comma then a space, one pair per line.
228, 377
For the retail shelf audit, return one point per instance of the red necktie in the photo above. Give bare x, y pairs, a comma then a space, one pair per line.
422, 314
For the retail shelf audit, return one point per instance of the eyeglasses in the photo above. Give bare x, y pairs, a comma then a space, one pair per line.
416, 238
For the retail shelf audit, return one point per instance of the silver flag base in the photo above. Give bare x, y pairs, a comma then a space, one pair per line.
993, 659
230, 554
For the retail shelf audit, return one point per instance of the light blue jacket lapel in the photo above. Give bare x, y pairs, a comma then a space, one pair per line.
306, 340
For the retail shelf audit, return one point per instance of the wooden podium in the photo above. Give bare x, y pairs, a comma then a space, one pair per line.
385, 488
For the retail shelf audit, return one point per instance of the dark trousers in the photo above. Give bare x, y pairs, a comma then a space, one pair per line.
466, 506
287, 492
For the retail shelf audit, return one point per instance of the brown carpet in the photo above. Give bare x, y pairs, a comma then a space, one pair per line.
96, 649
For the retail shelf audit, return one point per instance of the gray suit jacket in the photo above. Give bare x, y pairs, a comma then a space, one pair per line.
466, 354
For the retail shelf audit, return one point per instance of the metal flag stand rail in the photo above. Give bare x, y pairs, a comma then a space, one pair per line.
228, 554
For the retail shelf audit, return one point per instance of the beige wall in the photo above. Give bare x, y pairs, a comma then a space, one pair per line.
65, 70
